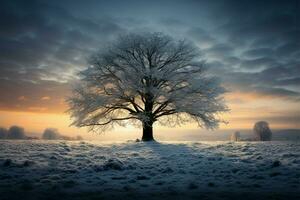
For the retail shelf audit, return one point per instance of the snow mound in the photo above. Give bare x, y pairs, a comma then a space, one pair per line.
111, 164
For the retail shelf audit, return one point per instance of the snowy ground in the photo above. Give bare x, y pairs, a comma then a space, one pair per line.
130, 170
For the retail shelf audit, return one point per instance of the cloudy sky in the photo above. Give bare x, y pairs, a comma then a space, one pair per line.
253, 46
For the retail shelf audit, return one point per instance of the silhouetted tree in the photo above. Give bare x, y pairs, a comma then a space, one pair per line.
16, 132
51, 134
3, 133
262, 131
143, 79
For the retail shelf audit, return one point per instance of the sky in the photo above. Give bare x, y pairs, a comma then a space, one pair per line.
252, 46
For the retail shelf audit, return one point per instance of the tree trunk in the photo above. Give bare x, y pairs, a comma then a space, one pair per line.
147, 132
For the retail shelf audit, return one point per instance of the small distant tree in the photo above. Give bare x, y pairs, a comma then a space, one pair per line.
262, 132
51, 134
16, 132
236, 136
78, 137
146, 78
3, 133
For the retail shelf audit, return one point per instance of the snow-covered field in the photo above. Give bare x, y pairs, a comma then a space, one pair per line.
135, 170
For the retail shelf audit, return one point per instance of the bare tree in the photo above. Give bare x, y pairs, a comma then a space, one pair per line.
143, 79
236, 136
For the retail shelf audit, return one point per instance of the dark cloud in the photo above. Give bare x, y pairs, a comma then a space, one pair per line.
264, 37
42, 47
289, 81
258, 52
258, 64
201, 36
251, 45
220, 51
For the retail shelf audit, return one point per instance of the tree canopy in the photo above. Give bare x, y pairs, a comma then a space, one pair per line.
146, 78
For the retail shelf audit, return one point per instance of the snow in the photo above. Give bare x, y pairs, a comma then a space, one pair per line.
144, 78
134, 170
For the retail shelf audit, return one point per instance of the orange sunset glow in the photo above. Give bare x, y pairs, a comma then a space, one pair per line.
246, 109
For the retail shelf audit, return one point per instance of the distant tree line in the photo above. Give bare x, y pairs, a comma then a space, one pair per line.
18, 133
53, 134
14, 132
261, 132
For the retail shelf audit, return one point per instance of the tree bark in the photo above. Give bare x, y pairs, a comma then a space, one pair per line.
147, 132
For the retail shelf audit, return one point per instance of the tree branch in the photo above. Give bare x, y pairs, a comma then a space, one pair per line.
105, 123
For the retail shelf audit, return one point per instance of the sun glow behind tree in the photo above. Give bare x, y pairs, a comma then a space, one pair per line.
143, 79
